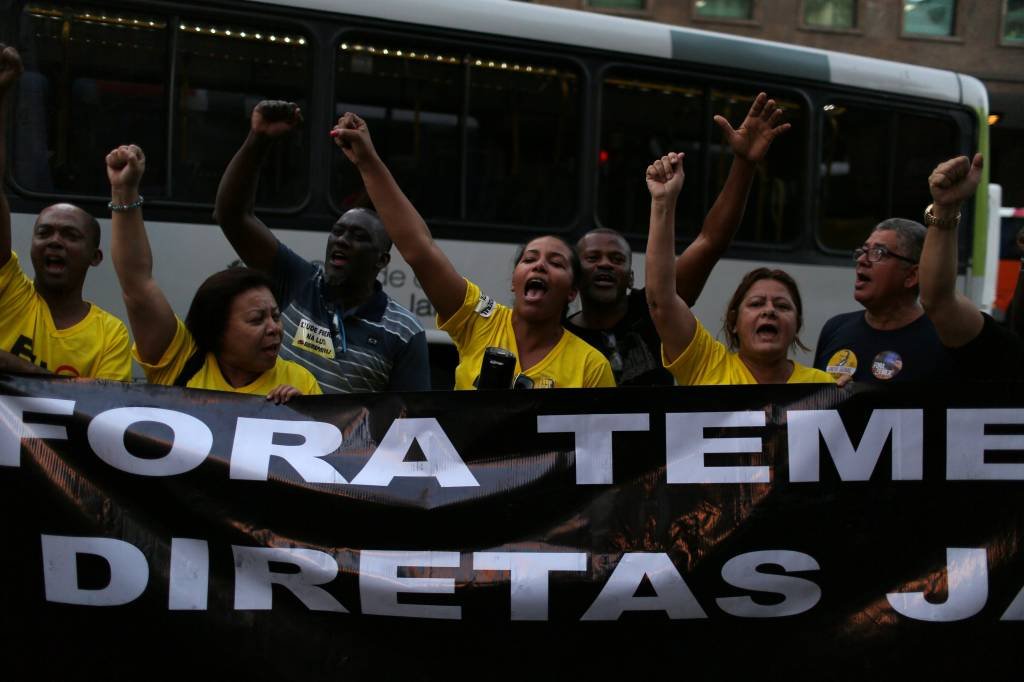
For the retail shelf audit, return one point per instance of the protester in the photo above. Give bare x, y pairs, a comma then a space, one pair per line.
544, 281
232, 334
338, 322
981, 348
762, 319
614, 319
45, 325
891, 339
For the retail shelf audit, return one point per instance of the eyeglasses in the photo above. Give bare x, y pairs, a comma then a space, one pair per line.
879, 252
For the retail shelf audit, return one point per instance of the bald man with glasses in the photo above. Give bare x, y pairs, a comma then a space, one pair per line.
891, 339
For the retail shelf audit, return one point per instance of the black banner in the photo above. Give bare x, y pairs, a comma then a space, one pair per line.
704, 532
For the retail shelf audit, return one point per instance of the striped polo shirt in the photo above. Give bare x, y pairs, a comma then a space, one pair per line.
377, 346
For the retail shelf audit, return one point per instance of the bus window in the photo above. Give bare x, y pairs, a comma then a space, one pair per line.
522, 156
855, 170
875, 165
774, 215
506, 155
223, 70
411, 98
645, 116
99, 80
922, 143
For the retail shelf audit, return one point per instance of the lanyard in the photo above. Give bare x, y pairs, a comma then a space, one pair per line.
340, 332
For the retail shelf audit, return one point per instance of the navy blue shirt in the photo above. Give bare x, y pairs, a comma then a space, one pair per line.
849, 345
377, 346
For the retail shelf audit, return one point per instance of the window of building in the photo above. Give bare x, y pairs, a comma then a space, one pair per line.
836, 14
617, 4
103, 79
487, 137
929, 17
724, 9
1013, 22
875, 165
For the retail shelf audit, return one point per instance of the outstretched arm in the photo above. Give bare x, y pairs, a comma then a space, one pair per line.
673, 319
234, 209
149, 314
10, 70
749, 143
443, 285
956, 318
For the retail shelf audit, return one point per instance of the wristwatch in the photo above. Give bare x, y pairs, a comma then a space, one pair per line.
931, 219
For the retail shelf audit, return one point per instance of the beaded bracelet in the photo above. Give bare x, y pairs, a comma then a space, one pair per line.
126, 207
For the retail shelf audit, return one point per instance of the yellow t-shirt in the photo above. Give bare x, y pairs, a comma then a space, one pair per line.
481, 323
707, 362
166, 371
96, 347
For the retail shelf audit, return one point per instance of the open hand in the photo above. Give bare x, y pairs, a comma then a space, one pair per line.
10, 68
755, 135
954, 181
353, 138
125, 167
283, 393
274, 118
665, 177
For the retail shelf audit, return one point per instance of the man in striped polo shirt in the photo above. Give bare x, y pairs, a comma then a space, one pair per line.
338, 322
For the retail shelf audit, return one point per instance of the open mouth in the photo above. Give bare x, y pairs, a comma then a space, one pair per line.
535, 289
338, 259
603, 280
767, 331
271, 349
54, 264
862, 278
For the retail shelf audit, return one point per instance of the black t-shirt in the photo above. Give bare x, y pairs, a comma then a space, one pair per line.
632, 346
995, 354
848, 344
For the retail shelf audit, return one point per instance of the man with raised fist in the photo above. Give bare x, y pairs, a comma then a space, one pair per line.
45, 325
338, 322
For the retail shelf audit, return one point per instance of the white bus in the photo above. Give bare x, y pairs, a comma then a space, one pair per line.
501, 120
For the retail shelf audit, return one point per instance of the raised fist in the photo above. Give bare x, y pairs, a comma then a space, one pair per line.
665, 177
10, 68
954, 181
353, 137
125, 166
274, 118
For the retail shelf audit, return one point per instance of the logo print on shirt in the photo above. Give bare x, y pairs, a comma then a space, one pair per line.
485, 306
887, 365
312, 337
843, 362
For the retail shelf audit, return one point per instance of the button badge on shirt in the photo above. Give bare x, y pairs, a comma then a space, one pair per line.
887, 365
842, 363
